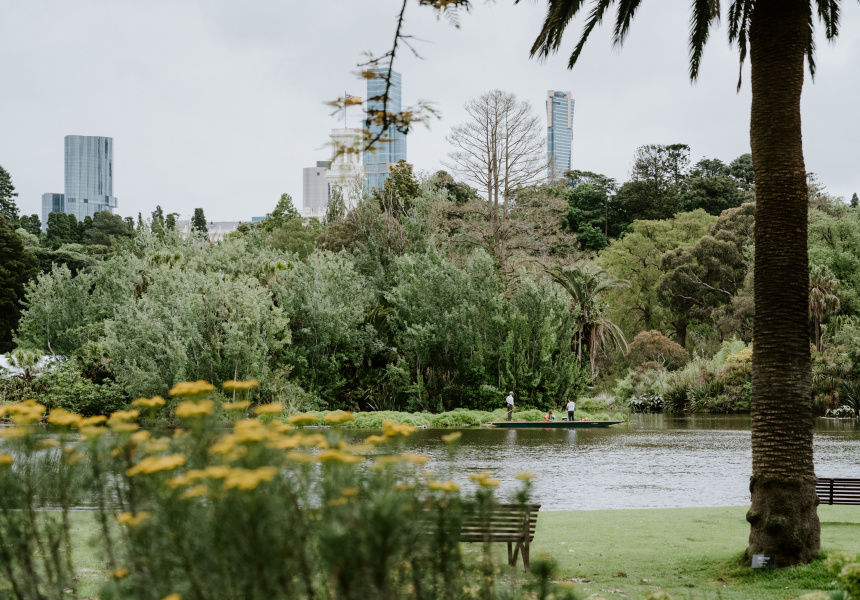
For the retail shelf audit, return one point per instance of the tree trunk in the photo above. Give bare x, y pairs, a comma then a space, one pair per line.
681, 332
783, 518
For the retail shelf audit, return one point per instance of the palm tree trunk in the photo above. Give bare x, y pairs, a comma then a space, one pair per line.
783, 518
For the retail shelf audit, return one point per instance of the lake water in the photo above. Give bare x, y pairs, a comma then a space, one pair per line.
659, 461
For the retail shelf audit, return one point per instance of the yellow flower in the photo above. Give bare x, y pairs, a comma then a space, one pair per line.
401, 487
173, 597
484, 479
375, 439
250, 430
338, 456
452, 437
123, 415
350, 491
303, 419
6, 459
139, 437
526, 476
91, 432
445, 486
478, 476
49, 443
119, 573
248, 479
415, 459
355, 448
191, 388
390, 429
490, 482
285, 443
26, 412
62, 417
217, 471
314, 440
131, 520
279, 427
195, 492
273, 408
301, 457
389, 459
240, 405
240, 385
338, 501
190, 409
154, 464
159, 445
339, 417
123, 427
149, 402
96, 420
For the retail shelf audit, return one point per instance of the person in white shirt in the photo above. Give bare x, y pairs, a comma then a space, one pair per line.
510, 401
571, 406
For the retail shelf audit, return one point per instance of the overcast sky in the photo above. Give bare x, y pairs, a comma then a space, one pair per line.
220, 103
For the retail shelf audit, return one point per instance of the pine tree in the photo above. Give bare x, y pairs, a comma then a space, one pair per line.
140, 223
8, 208
57, 233
170, 221
23, 223
74, 230
157, 224
198, 222
855, 202
85, 227
35, 225
129, 221
17, 267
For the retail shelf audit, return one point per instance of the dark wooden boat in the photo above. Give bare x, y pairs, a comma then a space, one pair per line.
552, 424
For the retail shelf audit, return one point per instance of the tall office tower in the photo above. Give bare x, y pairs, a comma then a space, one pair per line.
51, 203
345, 171
315, 190
377, 161
559, 132
89, 175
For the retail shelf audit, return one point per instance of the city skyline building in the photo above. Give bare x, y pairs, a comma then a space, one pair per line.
346, 172
559, 133
89, 175
392, 148
315, 190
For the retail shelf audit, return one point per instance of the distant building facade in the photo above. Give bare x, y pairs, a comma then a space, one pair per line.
559, 132
345, 174
315, 190
379, 159
89, 175
52, 203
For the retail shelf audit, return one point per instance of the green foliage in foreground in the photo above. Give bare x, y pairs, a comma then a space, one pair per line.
257, 512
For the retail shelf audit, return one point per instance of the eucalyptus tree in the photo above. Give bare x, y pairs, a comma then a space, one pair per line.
778, 34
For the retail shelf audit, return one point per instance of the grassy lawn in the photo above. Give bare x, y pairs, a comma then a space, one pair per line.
691, 553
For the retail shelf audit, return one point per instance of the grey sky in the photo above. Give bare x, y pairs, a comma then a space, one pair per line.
220, 103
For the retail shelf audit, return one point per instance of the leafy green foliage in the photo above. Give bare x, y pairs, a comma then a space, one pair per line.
17, 267
198, 222
8, 208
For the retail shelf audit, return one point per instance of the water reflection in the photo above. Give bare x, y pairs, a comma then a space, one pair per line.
658, 461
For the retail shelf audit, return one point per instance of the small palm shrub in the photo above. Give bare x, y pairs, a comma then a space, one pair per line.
647, 403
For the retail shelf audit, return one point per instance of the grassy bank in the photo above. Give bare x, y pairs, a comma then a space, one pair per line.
690, 553
458, 417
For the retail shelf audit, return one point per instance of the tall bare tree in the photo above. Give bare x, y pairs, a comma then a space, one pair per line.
501, 150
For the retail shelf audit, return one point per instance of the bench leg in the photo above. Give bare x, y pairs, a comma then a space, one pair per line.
510, 555
526, 556
513, 561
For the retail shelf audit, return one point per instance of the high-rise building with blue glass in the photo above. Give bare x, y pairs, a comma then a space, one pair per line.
392, 147
559, 133
89, 175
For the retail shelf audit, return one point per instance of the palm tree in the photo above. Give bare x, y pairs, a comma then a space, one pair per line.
823, 297
585, 284
779, 36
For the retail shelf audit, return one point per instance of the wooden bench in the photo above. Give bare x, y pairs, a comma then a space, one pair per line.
511, 523
834, 490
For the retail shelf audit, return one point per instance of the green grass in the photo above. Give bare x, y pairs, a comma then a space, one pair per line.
690, 553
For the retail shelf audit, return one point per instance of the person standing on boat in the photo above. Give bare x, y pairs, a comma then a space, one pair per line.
571, 406
510, 401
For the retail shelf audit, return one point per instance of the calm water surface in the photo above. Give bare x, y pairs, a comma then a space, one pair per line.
659, 461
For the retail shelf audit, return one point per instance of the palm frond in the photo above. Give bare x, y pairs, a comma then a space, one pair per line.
828, 12
558, 16
626, 11
594, 19
705, 13
739, 27
810, 46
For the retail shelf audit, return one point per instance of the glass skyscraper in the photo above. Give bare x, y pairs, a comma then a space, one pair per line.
89, 175
559, 132
383, 153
